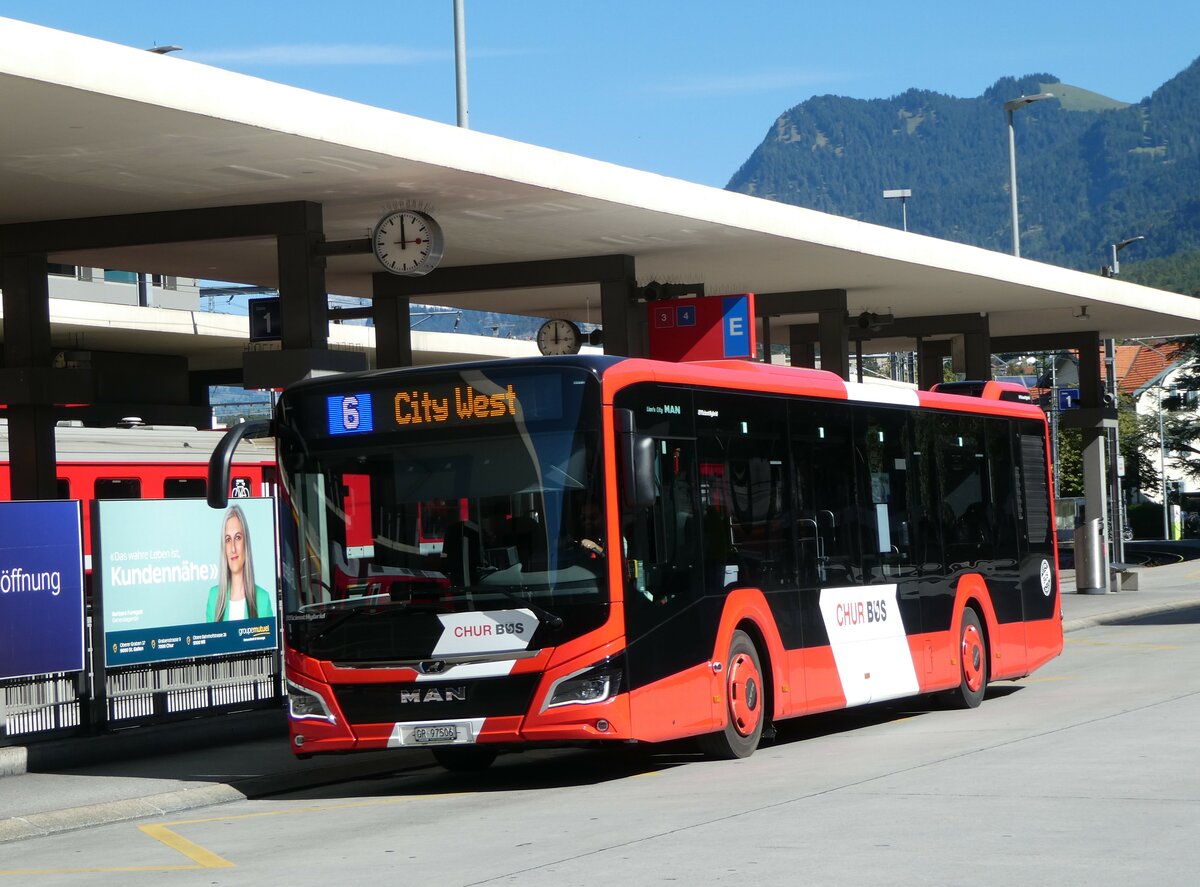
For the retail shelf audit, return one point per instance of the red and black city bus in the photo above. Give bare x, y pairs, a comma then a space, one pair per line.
646, 551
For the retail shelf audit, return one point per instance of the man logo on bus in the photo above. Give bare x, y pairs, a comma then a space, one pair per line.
241, 488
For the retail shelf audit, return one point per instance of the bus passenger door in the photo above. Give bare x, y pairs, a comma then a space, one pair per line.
669, 628
827, 534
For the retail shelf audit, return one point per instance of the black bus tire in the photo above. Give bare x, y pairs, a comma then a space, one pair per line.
972, 664
744, 701
464, 758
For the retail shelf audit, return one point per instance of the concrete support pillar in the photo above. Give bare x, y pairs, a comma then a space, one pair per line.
303, 300
27, 360
622, 315
978, 353
764, 339
393, 333
804, 353
835, 341
1095, 473
930, 357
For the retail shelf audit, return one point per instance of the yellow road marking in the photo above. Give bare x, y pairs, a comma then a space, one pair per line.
203, 858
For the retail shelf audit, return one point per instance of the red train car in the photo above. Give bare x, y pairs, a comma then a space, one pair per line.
144, 462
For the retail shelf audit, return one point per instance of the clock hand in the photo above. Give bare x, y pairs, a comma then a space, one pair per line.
403, 241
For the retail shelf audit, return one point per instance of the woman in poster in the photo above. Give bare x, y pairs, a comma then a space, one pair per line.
235, 596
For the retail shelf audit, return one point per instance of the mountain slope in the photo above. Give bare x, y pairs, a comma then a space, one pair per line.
1091, 170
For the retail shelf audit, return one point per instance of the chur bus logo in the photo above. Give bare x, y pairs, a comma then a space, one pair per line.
434, 694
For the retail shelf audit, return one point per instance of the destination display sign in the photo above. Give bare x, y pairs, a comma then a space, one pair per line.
448, 404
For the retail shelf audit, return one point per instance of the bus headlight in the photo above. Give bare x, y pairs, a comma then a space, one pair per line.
306, 705
596, 683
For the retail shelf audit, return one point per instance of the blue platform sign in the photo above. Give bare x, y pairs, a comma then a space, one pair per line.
266, 317
1068, 399
737, 325
41, 588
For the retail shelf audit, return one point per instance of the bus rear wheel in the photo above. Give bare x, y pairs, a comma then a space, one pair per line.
464, 758
744, 701
973, 664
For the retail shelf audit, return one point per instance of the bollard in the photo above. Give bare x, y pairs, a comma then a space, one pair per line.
1091, 558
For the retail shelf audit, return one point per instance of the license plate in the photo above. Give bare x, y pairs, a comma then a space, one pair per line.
441, 733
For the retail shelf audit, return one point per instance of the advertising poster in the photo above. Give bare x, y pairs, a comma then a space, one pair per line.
180, 580
41, 588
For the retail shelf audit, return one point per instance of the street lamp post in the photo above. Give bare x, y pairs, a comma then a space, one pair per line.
902, 194
1009, 107
1114, 434
460, 64
1115, 268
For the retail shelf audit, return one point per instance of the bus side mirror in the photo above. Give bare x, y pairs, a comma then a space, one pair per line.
636, 453
221, 460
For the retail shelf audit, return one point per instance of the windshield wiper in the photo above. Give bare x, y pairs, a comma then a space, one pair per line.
543, 615
369, 609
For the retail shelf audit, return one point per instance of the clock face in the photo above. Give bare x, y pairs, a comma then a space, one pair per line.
558, 336
408, 243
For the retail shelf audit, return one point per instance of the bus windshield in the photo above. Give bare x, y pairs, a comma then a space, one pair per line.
419, 520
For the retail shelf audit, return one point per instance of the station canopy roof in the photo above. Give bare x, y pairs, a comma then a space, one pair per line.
96, 129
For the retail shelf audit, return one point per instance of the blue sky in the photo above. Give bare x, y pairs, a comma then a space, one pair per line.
687, 89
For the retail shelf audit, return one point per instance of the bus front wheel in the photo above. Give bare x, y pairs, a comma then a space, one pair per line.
744, 702
973, 664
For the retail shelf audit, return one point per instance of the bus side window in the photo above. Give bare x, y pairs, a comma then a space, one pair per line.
967, 514
662, 542
826, 504
744, 491
886, 472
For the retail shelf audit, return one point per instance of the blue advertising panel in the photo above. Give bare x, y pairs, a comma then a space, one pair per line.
41, 588
180, 580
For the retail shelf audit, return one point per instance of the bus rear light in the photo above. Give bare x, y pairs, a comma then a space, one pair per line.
304, 705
